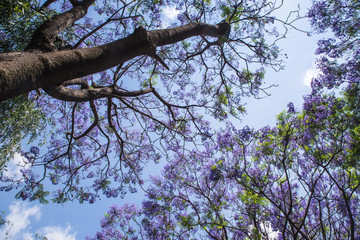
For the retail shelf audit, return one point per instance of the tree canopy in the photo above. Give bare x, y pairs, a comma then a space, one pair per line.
298, 179
125, 89
122, 91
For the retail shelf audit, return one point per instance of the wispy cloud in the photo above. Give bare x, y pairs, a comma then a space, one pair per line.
58, 233
18, 221
18, 225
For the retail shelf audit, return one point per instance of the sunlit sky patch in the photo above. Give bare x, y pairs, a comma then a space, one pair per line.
309, 75
169, 15
171, 12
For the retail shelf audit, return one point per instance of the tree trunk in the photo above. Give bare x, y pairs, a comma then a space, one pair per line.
23, 72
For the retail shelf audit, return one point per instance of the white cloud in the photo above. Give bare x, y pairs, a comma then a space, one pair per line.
309, 75
18, 220
27, 236
171, 12
58, 233
14, 166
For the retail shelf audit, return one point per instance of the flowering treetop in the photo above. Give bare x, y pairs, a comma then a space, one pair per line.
121, 90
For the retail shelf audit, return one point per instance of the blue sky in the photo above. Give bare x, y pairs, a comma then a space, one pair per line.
75, 221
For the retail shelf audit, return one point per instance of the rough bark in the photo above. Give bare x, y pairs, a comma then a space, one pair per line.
86, 94
22, 73
43, 38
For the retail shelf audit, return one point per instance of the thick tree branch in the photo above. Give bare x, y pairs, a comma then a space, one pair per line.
78, 81
82, 95
177, 34
30, 71
43, 38
84, 85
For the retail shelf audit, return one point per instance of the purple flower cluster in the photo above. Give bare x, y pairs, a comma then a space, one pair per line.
341, 17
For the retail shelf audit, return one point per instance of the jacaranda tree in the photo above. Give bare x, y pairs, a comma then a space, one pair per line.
122, 87
297, 180
340, 54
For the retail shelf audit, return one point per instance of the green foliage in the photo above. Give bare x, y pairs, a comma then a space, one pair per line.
38, 194
228, 12
186, 222
18, 21
185, 44
10, 7
2, 220
39, 237
19, 119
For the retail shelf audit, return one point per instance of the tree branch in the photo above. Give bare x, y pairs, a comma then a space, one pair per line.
177, 34
43, 38
82, 95
30, 71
